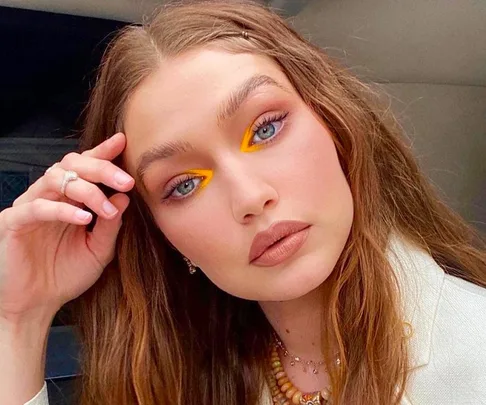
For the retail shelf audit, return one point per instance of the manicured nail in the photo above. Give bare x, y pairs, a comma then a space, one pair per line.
122, 178
83, 215
109, 208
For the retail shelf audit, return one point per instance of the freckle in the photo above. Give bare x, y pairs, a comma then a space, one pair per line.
286, 330
313, 344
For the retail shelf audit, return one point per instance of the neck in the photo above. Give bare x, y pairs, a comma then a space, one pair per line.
298, 323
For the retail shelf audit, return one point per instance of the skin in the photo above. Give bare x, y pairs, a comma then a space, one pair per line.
242, 186
296, 176
48, 259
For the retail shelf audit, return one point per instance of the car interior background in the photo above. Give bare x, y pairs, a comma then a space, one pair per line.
427, 57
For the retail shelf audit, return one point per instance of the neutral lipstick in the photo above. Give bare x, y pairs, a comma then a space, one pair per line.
278, 243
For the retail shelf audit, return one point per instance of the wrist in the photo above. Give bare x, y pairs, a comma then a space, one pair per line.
23, 344
25, 332
41, 316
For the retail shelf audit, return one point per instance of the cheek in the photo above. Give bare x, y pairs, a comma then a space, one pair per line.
316, 186
313, 172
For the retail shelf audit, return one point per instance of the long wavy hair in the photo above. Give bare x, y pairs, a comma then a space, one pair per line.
151, 334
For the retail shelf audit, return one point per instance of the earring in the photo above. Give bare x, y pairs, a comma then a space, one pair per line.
190, 265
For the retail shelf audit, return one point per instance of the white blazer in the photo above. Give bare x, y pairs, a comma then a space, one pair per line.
448, 341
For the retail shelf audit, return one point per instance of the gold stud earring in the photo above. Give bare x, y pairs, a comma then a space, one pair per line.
190, 265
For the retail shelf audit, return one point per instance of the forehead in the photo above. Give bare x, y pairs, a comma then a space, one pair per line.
184, 93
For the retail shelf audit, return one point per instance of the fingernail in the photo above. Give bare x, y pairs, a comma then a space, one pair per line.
122, 178
109, 208
82, 215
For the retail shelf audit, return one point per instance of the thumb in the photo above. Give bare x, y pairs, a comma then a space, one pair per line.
102, 240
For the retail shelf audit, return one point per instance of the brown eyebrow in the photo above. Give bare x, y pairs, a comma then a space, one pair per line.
231, 105
228, 108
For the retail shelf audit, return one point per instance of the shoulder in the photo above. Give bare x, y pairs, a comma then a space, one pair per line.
464, 288
448, 340
462, 312
455, 371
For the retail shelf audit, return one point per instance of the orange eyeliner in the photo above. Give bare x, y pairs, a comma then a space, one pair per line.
245, 143
206, 174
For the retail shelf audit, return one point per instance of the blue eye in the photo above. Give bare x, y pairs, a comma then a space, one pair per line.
185, 187
267, 130
187, 184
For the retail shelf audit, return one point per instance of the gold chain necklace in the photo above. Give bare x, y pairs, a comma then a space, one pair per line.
314, 365
284, 392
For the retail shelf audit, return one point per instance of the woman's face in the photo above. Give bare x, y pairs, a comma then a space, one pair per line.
225, 148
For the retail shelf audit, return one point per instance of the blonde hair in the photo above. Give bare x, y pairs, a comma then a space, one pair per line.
152, 335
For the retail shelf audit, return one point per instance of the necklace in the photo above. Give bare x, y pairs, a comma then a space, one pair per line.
284, 392
314, 365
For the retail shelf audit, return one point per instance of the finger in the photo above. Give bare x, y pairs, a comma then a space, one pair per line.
102, 240
42, 210
78, 190
97, 171
47, 187
83, 192
108, 149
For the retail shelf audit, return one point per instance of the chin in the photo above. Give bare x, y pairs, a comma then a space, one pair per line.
301, 286
288, 281
297, 280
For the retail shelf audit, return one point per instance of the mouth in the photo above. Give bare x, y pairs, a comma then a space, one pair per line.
278, 243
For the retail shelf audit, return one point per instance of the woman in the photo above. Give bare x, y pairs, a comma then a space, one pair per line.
280, 244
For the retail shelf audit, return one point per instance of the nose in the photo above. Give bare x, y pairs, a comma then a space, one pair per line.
251, 195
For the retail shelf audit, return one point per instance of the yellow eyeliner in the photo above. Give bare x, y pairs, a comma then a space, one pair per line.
245, 143
206, 175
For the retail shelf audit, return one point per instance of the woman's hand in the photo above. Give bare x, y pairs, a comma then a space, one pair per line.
47, 256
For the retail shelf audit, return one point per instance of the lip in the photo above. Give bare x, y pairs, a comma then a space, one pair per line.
276, 244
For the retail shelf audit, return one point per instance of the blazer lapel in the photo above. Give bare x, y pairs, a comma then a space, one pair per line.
420, 281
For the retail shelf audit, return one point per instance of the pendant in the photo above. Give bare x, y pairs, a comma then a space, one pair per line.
311, 399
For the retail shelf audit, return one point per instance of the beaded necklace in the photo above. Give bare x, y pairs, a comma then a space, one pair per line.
284, 392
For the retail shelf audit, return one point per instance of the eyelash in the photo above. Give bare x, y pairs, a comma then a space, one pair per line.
263, 122
257, 126
173, 187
